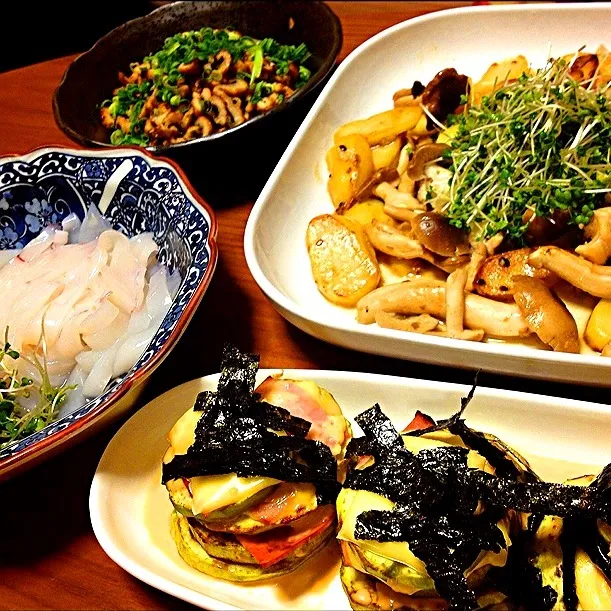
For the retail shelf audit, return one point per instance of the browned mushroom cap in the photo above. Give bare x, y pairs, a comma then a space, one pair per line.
584, 67
422, 155
434, 232
598, 231
545, 230
442, 95
545, 314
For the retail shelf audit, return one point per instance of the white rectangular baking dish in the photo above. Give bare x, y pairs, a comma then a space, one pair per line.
468, 39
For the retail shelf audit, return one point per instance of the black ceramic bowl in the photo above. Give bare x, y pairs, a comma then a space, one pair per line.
92, 76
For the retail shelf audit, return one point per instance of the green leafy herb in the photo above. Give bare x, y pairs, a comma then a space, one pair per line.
17, 421
261, 90
541, 143
257, 63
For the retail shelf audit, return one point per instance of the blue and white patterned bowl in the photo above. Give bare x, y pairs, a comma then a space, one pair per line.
44, 186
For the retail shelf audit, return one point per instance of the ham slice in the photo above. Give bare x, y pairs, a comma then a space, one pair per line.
274, 545
419, 421
307, 400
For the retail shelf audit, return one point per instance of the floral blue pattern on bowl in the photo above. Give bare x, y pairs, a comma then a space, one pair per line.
43, 187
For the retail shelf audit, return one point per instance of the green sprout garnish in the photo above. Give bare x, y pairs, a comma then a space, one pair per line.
541, 143
17, 422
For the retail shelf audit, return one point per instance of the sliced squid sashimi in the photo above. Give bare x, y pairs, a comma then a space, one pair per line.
87, 359
101, 301
131, 350
124, 276
52, 265
75, 397
69, 341
60, 237
103, 339
26, 314
35, 247
58, 369
144, 248
7, 255
158, 298
71, 224
93, 225
139, 321
101, 372
174, 282
100, 316
64, 306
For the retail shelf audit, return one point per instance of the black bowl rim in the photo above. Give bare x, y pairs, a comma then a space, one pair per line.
316, 78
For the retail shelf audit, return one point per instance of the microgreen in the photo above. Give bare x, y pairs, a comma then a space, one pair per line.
539, 143
44, 399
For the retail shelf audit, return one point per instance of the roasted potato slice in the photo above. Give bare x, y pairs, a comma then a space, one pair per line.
494, 277
344, 264
603, 75
496, 75
598, 331
365, 212
384, 126
386, 155
350, 165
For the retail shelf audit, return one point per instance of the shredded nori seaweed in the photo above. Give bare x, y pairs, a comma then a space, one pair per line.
236, 433
595, 545
436, 495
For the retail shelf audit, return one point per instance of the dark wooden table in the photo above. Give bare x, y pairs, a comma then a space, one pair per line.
49, 556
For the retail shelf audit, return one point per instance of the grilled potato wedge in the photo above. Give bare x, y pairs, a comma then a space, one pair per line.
344, 263
494, 277
383, 127
350, 165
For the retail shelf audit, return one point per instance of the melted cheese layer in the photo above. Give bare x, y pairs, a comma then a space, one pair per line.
210, 492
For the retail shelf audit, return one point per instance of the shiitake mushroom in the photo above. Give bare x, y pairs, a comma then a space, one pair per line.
436, 234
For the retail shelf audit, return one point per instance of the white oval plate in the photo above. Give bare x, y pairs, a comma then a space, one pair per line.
468, 39
130, 509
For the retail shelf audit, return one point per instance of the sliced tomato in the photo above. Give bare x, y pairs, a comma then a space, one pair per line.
273, 545
187, 483
419, 421
288, 501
